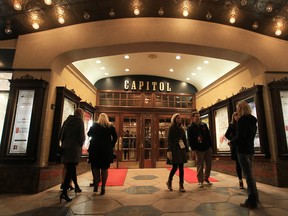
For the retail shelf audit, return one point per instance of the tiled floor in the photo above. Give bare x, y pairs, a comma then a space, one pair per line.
145, 193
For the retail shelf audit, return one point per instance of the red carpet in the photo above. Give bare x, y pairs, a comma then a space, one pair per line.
190, 176
116, 177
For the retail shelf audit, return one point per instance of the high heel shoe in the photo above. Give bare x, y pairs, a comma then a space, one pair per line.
102, 191
65, 197
77, 190
71, 187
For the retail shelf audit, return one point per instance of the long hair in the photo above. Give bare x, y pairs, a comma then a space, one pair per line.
173, 120
233, 121
103, 120
243, 108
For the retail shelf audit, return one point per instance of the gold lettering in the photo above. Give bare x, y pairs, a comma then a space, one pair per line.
168, 87
161, 86
141, 84
133, 86
126, 84
147, 86
154, 84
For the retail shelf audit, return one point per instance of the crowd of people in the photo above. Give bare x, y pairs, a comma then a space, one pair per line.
240, 133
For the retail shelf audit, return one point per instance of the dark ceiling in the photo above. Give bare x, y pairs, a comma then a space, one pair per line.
247, 12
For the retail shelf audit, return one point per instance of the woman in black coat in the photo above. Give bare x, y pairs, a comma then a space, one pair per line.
230, 134
72, 136
177, 151
103, 139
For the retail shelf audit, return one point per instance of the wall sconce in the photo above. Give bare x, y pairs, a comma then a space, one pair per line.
48, 2
269, 6
86, 15
185, 12
60, 14
8, 29
232, 18
111, 13
243, 2
208, 15
161, 11
255, 25
279, 25
136, 11
17, 4
35, 19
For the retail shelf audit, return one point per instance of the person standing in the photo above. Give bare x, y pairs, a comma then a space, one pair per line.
177, 151
103, 139
200, 142
72, 136
230, 134
244, 142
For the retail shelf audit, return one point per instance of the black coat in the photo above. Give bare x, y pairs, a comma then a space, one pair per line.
230, 134
72, 136
195, 131
103, 140
245, 134
179, 155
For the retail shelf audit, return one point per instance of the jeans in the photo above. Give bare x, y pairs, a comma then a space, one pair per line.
246, 162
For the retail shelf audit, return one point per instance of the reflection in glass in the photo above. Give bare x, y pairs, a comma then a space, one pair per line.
221, 125
284, 104
129, 138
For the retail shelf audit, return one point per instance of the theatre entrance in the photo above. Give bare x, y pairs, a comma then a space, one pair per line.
142, 139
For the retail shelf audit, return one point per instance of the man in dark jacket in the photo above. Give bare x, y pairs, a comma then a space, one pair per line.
244, 140
200, 142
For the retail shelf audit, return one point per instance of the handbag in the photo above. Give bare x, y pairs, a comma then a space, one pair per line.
59, 150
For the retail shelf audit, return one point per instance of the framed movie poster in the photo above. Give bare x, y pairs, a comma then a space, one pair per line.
279, 101
21, 125
21, 128
66, 102
221, 120
88, 122
254, 97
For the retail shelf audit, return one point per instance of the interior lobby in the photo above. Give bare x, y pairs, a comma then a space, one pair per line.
42, 63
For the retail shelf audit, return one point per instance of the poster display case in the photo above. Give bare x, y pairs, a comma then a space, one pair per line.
254, 97
66, 102
89, 113
23, 119
221, 122
279, 98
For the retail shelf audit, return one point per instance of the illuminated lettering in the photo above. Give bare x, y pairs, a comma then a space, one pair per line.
126, 84
142, 85
133, 86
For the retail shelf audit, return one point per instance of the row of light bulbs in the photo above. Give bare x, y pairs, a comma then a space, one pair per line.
279, 22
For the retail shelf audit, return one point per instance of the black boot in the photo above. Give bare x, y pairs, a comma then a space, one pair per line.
181, 187
65, 197
102, 191
169, 184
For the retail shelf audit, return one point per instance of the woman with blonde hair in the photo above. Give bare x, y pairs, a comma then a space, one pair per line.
244, 141
230, 134
103, 139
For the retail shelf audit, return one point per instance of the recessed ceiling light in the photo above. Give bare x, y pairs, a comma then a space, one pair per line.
127, 69
106, 74
187, 78
199, 68
193, 74
178, 57
206, 62
126, 57
102, 68
98, 61
171, 70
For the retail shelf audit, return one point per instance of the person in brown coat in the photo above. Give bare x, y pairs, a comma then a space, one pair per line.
72, 136
177, 151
